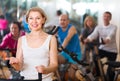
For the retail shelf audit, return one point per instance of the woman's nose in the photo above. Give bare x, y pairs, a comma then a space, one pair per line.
34, 20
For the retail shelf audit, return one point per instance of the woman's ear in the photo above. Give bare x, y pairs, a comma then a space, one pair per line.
44, 20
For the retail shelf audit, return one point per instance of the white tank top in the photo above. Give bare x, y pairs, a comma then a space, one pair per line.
33, 57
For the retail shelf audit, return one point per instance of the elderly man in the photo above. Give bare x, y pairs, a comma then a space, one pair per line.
69, 39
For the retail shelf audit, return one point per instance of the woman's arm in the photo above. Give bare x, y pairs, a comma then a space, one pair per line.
53, 62
18, 61
53, 56
93, 36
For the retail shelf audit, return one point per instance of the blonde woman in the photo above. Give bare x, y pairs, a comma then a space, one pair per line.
89, 26
36, 52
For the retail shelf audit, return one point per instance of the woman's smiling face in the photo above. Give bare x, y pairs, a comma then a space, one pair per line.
14, 29
35, 20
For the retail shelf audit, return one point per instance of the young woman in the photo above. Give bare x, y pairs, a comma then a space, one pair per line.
36, 52
10, 40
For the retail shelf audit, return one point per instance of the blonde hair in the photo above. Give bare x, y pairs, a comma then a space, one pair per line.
38, 10
89, 18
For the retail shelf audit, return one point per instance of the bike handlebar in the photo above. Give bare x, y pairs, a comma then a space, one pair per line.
40, 76
2, 49
53, 30
97, 43
74, 57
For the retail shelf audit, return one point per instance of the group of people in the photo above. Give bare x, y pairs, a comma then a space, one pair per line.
37, 51
106, 34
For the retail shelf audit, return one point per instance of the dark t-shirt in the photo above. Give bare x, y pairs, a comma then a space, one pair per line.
85, 33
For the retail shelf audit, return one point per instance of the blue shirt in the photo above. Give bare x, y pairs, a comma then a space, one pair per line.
74, 43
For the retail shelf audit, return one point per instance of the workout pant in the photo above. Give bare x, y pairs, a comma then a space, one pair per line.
110, 57
69, 59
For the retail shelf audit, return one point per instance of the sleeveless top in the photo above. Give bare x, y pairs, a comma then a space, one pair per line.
74, 44
33, 57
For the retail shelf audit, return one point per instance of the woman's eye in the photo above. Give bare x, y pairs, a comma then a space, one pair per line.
30, 18
38, 18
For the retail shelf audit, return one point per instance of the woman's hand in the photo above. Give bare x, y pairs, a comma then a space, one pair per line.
86, 41
14, 62
41, 69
